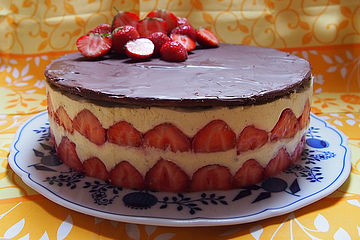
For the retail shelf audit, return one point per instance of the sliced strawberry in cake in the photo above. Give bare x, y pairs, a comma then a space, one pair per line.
251, 172
126, 175
286, 127
278, 164
166, 176
216, 136
66, 152
167, 136
298, 150
304, 119
63, 119
50, 107
94, 167
251, 138
124, 134
211, 177
88, 125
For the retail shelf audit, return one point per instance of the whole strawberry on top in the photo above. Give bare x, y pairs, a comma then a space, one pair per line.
149, 25
170, 19
125, 19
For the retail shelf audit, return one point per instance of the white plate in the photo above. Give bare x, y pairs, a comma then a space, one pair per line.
325, 165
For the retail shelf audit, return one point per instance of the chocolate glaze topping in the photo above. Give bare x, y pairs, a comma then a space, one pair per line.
230, 75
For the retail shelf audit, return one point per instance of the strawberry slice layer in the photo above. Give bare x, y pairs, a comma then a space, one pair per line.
167, 136
304, 119
277, 164
66, 152
124, 134
166, 176
63, 119
211, 177
94, 167
251, 138
251, 172
148, 25
87, 124
169, 17
216, 136
298, 150
50, 107
286, 127
126, 175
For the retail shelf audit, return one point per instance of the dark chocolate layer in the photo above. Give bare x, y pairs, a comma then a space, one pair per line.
230, 75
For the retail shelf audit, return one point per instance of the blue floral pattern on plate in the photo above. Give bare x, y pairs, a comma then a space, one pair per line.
34, 159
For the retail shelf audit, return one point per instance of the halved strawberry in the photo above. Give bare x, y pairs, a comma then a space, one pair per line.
87, 124
173, 51
206, 38
169, 17
158, 39
63, 119
187, 30
125, 18
124, 134
277, 164
304, 119
66, 152
187, 42
251, 138
298, 150
211, 177
166, 176
216, 136
147, 26
122, 35
167, 136
94, 167
50, 107
182, 21
251, 172
126, 175
102, 29
286, 127
93, 45
139, 49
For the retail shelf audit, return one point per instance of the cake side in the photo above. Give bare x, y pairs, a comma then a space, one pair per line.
190, 122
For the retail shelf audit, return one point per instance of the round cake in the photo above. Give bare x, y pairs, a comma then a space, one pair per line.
225, 118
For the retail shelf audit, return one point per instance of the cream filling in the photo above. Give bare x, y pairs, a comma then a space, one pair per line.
144, 158
189, 122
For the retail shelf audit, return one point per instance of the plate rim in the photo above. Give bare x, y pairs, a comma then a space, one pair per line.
191, 221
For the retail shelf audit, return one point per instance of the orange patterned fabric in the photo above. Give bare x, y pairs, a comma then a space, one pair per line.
326, 32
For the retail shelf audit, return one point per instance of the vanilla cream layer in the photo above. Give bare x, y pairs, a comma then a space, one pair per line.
144, 158
188, 121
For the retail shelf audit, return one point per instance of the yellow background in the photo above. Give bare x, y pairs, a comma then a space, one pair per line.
326, 32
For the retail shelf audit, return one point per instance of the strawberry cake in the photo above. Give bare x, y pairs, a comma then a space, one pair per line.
225, 118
